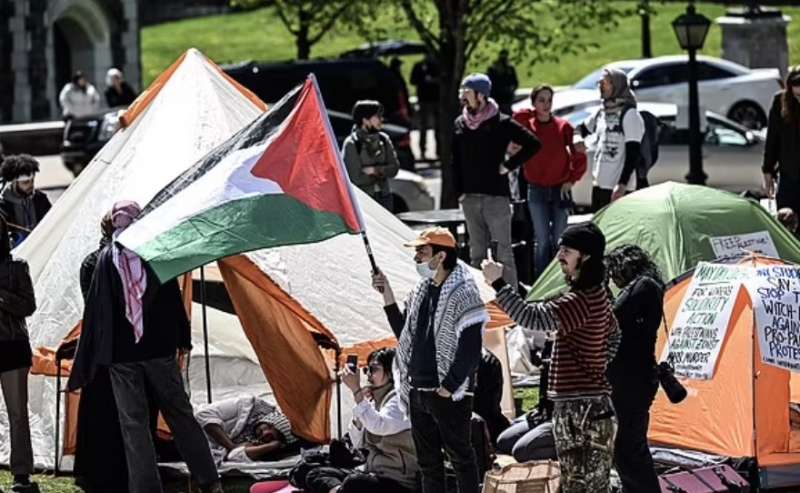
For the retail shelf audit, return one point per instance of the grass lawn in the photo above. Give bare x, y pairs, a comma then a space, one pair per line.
259, 35
50, 484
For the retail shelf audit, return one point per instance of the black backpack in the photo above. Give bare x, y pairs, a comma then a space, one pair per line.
650, 141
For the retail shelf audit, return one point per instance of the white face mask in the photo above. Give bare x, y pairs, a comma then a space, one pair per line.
425, 271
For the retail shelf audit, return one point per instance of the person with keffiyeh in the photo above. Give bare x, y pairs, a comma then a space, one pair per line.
134, 325
620, 129
481, 138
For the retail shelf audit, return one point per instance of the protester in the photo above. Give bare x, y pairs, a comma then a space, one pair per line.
632, 373
79, 98
21, 204
550, 174
17, 301
425, 77
481, 136
489, 394
118, 92
789, 220
369, 154
620, 130
585, 330
782, 150
504, 81
134, 325
382, 427
245, 429
438, 351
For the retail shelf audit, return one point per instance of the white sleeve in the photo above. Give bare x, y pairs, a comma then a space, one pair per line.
591, 122
356, 434
633, 126
217, 413
390, 420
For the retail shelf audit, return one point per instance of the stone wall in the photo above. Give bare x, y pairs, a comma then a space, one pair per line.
756, 41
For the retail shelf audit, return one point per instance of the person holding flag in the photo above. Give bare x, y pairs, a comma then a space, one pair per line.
440, 336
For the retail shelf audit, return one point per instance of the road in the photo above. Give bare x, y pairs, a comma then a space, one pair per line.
53, 177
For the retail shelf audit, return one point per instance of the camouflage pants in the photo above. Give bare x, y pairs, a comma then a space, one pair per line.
584, 431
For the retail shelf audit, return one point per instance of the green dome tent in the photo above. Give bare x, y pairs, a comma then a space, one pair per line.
676, 223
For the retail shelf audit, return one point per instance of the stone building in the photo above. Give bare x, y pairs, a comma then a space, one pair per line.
43, 42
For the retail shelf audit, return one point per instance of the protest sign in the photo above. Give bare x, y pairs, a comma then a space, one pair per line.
702, 319
735, 245
775, 293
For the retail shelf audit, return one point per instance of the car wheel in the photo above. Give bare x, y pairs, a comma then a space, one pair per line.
398, 204
748, 114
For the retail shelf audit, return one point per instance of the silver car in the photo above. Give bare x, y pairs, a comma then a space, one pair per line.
732, 154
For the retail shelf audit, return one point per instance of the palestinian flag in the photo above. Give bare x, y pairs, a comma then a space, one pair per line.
279, 181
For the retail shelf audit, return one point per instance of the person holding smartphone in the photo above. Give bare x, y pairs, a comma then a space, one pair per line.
550, 174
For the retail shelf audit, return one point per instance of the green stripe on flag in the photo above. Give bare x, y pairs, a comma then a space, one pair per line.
239, 226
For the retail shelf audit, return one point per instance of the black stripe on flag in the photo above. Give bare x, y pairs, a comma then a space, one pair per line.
257, 132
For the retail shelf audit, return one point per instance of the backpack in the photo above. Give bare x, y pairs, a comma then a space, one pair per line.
650, 141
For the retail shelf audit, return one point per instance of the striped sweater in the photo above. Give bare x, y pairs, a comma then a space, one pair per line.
585, 332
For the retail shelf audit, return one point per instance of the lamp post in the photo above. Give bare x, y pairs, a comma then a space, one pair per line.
691, 29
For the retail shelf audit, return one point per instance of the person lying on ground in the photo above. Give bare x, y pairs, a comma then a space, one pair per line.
245, 429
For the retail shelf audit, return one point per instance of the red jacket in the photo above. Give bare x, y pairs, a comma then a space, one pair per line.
557, 162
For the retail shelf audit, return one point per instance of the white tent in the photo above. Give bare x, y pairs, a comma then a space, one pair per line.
323, 287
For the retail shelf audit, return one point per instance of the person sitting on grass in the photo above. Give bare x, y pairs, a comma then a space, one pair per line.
245, 429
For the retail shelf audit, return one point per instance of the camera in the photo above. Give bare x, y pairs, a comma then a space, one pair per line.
675, 391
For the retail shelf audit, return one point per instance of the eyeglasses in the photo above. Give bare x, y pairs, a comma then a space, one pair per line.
372, 369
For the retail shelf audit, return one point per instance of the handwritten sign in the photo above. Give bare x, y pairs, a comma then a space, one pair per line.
701, 322
775, 292
730, 246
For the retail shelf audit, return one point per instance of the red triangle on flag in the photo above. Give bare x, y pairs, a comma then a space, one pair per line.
303, 160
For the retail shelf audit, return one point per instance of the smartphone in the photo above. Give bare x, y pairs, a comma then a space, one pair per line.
493, 249
352, 362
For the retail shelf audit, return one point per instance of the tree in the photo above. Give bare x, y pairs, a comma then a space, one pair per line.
306, 20
457, 31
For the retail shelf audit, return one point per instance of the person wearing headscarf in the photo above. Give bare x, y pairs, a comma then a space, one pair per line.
79, 98
22, 205
620, 129
781, 164
118, 92
245, 429
134, 326
639, 309
585, 333
17, 301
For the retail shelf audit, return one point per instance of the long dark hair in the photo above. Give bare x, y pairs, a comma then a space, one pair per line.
5, 240
626, 263
790, 107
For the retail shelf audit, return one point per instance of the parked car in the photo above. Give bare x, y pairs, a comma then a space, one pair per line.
85, 136
742, 94
731, 153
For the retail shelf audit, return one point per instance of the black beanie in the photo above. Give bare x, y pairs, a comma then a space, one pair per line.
586, 238
366, 108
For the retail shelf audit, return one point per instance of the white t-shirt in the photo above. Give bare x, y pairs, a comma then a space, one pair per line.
609, 156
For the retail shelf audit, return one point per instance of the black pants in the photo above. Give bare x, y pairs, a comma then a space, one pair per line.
323, 479
631, 451
437, 423
600, 198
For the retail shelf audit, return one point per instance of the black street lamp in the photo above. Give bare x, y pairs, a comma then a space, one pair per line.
691, 29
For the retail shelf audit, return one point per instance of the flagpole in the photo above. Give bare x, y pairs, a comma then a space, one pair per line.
205, 331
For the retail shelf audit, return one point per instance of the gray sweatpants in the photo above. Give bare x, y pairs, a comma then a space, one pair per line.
15, 393
128, 382
488, 217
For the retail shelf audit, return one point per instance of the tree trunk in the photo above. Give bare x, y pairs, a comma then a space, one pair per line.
302, 40
647, 48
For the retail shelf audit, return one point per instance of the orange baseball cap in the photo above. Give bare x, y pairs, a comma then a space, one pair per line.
434, 236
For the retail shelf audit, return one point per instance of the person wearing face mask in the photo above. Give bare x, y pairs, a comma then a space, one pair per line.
245, 429
782, 150
585, 333
620, 130
21, 204
369, 154
380, 426
439, 348
481, 138
135, 325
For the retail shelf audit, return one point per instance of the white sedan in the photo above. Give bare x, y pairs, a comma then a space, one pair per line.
726, 88
731, 153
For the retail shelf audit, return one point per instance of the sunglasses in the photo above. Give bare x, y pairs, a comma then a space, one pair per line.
372, 369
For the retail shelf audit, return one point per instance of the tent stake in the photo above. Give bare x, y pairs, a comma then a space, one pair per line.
205, 331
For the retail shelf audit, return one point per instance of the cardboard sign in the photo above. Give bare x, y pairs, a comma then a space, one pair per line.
775, 293
735, 245
702, 320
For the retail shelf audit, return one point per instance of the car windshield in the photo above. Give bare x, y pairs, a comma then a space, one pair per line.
591, 80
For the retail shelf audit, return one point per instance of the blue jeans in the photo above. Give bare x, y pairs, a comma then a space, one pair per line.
549, 215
